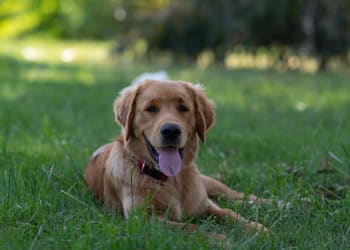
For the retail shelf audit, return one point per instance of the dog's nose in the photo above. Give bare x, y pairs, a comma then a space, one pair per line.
170, 131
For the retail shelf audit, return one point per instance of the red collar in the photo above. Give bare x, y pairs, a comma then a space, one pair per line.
146, 168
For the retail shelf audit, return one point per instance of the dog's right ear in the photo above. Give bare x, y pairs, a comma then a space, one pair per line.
205, 115
124, 109
204, 109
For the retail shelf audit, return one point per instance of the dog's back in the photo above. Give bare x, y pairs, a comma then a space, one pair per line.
95, 171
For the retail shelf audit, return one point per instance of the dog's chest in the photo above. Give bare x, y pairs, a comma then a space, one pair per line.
181, 197
194, 196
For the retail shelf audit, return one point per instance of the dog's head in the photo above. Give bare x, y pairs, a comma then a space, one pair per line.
161, 121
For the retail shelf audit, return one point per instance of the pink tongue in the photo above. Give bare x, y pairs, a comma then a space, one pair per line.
169, 161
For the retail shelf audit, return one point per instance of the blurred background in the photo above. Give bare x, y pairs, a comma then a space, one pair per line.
310, 35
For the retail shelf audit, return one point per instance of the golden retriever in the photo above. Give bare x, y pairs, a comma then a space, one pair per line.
152, 162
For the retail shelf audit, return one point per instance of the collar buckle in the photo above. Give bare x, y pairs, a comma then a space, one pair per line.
146, 168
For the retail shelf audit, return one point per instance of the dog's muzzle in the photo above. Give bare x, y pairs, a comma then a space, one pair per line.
168, 158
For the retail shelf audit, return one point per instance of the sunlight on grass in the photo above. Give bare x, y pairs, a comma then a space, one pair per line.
68, 55
205, 59
44, 75
30, 53
300, 106
58, 52
262, 59
10, 92
70, 52
266, 61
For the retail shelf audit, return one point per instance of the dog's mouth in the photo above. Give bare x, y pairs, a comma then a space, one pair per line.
169, 159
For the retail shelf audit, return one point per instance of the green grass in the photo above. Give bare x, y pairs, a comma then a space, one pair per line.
273, 133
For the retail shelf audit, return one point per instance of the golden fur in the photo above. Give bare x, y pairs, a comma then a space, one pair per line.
141, 110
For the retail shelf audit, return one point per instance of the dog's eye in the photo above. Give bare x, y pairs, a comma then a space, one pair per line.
182, 108
152, 109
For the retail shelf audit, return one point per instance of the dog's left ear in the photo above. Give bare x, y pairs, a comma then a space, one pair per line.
204, 111
124, 109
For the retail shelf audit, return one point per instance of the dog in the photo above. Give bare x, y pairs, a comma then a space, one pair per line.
152, 163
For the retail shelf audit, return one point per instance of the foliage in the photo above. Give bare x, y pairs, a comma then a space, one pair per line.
58, 18
277, 135
318, 28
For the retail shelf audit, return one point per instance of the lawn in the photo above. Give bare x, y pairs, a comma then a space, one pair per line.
282, 135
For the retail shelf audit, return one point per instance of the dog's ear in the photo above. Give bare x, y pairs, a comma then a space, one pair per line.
204, 111
124, 109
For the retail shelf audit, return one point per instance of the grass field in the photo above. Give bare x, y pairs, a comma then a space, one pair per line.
279, 135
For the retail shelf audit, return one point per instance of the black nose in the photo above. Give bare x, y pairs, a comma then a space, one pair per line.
170, 132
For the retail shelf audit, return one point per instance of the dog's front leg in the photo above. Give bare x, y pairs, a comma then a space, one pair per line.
130, 201
216, 189
224, 213
191, 227
187, 226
